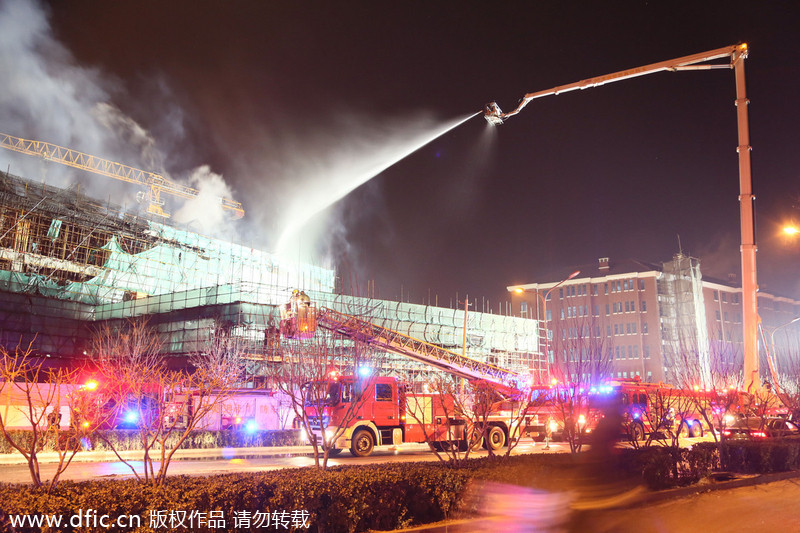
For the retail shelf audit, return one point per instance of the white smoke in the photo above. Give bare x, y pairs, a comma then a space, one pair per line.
205, 212
48, 96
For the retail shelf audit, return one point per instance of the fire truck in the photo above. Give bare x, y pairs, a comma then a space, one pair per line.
391, 412
646, 408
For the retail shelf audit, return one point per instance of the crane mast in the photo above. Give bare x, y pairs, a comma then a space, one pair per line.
736, 55
155, 183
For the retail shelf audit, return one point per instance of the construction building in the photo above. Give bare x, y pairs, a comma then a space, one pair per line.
650, 320
69, 264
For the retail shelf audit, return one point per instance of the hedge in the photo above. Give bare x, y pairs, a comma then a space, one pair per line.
129, 439
343, 499
662, 467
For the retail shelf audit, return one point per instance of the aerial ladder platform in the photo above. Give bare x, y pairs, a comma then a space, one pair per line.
505, 381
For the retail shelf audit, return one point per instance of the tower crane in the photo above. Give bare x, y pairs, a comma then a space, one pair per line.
735, 54
155, 183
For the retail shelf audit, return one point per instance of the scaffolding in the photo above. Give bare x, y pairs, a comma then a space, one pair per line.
684, 334
69, 264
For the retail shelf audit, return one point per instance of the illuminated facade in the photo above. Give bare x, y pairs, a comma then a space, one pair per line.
649, 318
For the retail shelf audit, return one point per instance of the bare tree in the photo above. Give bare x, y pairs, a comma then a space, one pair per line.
451, 413
163, 405
713, 381
581, 361
35, 397
324, 376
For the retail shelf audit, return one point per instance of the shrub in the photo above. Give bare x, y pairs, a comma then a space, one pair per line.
338, 499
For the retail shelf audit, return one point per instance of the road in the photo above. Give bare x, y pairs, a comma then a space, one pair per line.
243, 462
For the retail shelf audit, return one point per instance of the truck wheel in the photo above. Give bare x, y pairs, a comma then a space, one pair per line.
363, 443
496, 438
636, 432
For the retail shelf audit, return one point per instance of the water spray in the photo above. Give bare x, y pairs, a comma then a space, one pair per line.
354, 175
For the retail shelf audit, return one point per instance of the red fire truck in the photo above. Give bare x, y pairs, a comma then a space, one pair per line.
646, 408
384, 411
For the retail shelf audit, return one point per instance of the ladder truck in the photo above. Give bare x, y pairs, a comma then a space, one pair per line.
390, 412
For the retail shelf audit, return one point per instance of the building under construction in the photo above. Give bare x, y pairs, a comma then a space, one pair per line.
69, 264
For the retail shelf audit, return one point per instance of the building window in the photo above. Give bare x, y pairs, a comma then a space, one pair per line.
644, 327
647, 351
616, 352
725, 297
633, 327
616, 329
561, 292
562, 313
594, 290
627, 307
523, 307
549, 315
716, 296
641, 284
633, 306
725, 316
605, 285
596, 310
735, 298
608, 331
636, 351
643, 305
607, 310
716, 313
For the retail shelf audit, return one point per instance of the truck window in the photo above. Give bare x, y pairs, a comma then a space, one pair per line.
383, 392
347, 392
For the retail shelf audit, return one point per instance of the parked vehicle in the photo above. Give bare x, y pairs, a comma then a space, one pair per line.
761, 428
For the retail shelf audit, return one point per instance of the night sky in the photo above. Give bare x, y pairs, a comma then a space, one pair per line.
281, 99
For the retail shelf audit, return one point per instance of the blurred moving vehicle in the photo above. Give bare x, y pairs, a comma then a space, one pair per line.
761, 428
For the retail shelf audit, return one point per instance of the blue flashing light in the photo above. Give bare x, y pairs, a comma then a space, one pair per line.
131, 417
251, 426
364, 371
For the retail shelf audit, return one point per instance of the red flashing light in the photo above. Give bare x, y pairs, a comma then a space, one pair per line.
91, 384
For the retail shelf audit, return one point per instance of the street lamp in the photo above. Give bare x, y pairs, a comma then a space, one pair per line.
520, 290
772, 347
